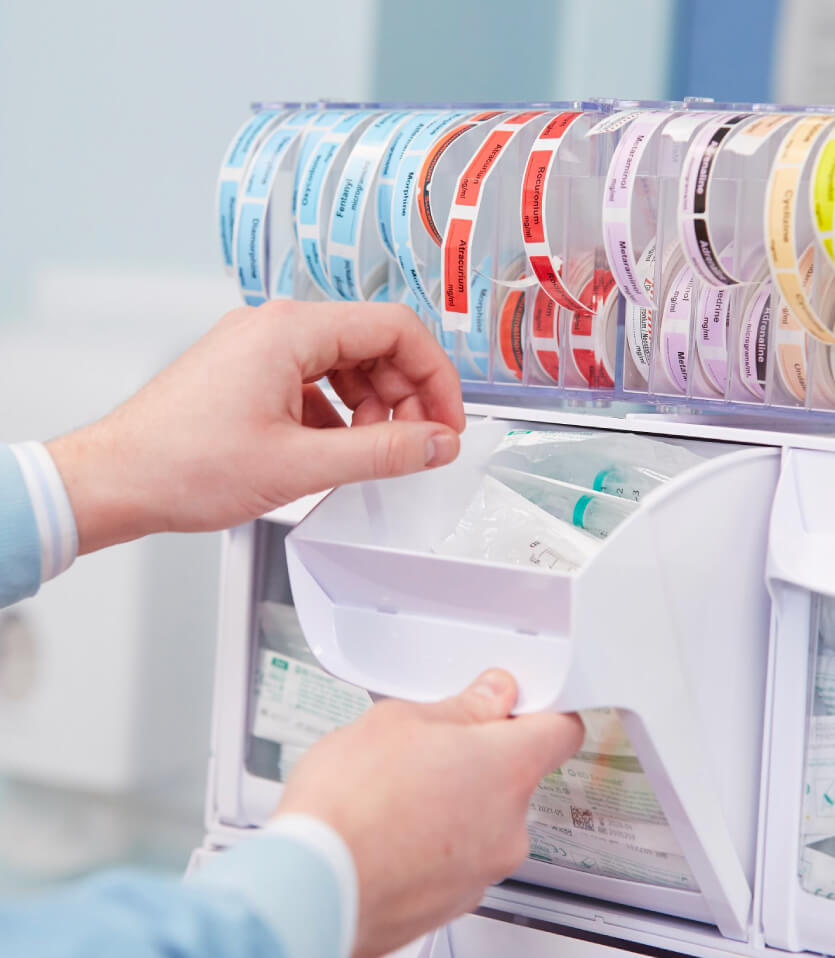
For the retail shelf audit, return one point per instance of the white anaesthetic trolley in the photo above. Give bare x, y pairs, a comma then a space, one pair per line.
656, 254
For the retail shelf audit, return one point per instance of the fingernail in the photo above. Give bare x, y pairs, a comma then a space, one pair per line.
491, 684
441, 449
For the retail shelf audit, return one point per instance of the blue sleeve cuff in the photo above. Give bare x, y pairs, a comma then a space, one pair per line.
20, 544
293, 888
51, 505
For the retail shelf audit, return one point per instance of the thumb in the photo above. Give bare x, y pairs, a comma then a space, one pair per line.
333, 457
490, 697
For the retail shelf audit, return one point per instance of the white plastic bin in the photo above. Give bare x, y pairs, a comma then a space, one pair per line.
661, 624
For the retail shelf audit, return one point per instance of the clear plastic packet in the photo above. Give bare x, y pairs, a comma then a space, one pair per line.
817, 854
627, 466
817, 867
499, 525
294, 701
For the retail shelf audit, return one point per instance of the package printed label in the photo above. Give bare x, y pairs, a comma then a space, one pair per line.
296, 703
817, 854
825, 682
817, 868
599, 814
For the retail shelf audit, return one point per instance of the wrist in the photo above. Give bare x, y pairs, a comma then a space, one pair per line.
322, 839
100, 476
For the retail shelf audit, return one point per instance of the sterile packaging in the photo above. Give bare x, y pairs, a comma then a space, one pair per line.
294, 702
626, 467
502, 526
598, 813
597, 513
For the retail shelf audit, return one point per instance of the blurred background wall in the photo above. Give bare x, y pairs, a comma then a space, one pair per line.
113, 117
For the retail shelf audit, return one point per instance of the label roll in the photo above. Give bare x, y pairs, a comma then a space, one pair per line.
713, 317
791, 339
233, 167
639, 319
696, 234
727, 151
822, 198
542, 245
512, 338
430, 182
592, 331
753, 341
676, 323
430, 173
317, 185
262, 234
357, 260
392, 156
625, 228
419, 266
516, 330
788, 223
466, 237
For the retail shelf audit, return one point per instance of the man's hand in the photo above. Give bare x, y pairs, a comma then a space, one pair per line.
431, 800
236, 426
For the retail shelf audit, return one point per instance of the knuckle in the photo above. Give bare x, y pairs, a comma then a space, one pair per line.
476, 707
388, 456
236, 316
405, 315
276, 309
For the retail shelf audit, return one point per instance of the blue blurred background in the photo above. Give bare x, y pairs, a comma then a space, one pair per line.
114, 117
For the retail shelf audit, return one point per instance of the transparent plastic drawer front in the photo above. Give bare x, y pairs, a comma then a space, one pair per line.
659, 625
799, 873
273, 699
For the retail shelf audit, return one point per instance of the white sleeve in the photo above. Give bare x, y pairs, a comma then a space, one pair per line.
330, 845
50, 502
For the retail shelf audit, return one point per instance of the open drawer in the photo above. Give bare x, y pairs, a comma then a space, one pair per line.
667, 623
798, 905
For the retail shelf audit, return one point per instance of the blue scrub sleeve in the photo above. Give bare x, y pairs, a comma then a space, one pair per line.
20, 546
269, 897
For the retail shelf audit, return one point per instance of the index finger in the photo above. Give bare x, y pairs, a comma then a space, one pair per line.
335, 336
